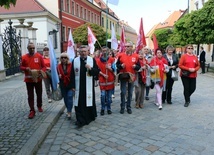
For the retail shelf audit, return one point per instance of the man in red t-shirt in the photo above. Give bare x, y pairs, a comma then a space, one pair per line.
127, 63
33, 66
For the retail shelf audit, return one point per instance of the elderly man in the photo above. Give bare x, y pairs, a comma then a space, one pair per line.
33, 66
84, 69
127, 64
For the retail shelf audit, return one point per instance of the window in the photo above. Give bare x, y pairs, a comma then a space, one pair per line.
92, 17
102, 22
62, 5
55, 40
81, 12
89, 16
72, 8
110, 25
98, 20
77, 10
107, 23
95, 18
196, 5
63, 33
68, 6
68, 31
85, 14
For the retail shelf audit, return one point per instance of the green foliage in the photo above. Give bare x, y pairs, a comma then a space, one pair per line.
163, 36
196, 27
80, 34
7, 3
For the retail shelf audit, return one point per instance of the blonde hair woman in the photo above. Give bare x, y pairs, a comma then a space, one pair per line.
64, 71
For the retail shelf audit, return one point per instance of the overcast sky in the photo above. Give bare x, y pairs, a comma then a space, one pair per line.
152, 11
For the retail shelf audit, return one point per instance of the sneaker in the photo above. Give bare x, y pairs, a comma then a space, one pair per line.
160, 107
112, 96
69, 116
40, 109
157, 104
186, 104
109, 112
147, 98
122, 111
31, 115
102, 112
49, 100
129, 111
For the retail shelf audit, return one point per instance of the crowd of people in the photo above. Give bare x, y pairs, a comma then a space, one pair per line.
134, 73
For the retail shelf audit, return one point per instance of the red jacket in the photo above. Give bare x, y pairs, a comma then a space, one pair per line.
106, 84
33, 62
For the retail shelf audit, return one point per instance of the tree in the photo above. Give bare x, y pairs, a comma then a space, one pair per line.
80, 34
163, 36
7, 3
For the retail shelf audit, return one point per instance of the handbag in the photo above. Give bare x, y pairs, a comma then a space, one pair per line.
185, 73
124, 76
57, 94
174, 75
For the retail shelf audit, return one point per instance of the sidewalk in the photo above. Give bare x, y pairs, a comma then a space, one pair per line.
18, 134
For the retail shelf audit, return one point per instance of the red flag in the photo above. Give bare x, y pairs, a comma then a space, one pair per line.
155, 42
122, 41
91, 40
141, 40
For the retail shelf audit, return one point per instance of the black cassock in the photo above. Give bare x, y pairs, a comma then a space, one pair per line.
84, 115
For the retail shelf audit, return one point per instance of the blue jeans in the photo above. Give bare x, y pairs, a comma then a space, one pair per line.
123, 86
106, 99
68, 99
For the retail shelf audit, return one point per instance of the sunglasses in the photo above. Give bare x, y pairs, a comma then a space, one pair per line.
190, 48
63, 57
32, 48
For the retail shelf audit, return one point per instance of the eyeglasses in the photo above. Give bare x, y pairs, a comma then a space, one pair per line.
33, 48
190, 48
63, 57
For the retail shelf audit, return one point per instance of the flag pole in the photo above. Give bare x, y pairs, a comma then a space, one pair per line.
106, 22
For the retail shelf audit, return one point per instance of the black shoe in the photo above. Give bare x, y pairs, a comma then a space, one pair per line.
102, 112
122, 111
169, 102
147, 98
109, 112
129, 111
186, 104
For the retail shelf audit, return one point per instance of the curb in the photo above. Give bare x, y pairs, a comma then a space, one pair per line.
32, 145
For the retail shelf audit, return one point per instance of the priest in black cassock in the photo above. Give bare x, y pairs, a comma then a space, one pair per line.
84, 69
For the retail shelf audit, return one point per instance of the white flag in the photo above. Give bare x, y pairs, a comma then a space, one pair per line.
114, 2
114, 43
91, 40
70, 47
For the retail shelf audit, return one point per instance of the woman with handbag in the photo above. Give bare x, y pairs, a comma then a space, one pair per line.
159, 68
47, 81
64, 71
172, 60
189, 66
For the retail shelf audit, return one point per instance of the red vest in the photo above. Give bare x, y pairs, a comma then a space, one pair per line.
106, 84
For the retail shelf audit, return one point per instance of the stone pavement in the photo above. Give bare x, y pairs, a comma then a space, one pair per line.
18, 134
174, 130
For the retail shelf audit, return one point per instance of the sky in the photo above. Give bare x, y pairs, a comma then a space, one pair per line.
152, 11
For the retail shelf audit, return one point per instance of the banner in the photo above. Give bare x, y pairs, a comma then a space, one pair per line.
91, 40
70, 47
122, 41
53, 63
155, 42
114, 43
141, 40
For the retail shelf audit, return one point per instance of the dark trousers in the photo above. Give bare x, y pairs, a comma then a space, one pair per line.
167, 94
202, 64
30, 91
189, 85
